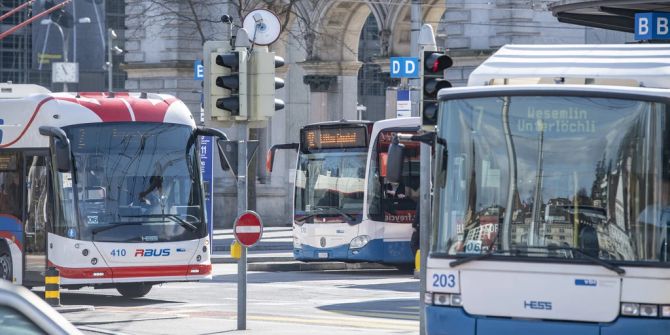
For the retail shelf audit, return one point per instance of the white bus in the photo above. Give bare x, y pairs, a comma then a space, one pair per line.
105, 187
344, 209
550, 199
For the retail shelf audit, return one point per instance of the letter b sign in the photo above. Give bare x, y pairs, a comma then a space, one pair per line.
652, 26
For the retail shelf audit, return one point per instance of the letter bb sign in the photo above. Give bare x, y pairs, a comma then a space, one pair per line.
652, 26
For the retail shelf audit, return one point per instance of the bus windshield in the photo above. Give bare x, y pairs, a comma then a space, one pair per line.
330, 186
389, 201
542, 176
134, 182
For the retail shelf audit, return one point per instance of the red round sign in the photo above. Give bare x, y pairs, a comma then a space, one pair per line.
248, 228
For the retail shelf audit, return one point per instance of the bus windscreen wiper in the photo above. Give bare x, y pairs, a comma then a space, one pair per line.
586, 255
172, 217
113, 225
327, 211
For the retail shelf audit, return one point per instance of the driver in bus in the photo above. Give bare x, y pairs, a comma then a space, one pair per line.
153, 195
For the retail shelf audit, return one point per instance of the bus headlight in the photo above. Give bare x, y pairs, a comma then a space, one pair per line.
447, 299
359, 242
665, 311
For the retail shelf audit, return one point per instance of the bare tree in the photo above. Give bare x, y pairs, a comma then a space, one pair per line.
202, 18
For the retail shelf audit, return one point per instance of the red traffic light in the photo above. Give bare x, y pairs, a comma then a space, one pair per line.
436, 61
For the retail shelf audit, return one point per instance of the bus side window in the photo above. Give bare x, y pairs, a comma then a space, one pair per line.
10, 191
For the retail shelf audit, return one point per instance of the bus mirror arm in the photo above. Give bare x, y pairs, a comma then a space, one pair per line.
206, 131
427, 138
270, 158
60, 145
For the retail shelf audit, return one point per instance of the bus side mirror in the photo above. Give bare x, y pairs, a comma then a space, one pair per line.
270, 157
60, 146
220, 144
394, 161
62, 153
269, 160
220, 136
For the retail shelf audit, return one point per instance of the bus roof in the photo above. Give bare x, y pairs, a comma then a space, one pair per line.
531, 89
21, 117
10, 90
645, 65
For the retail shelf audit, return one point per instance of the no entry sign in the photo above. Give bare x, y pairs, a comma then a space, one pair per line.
248, 228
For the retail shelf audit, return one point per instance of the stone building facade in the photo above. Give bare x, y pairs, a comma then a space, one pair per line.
320, 44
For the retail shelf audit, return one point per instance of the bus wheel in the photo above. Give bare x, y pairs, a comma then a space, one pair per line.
5, 265
133, 290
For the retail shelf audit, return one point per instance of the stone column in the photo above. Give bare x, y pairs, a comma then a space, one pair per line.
333, 89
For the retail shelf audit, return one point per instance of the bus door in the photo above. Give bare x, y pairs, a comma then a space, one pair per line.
36, 215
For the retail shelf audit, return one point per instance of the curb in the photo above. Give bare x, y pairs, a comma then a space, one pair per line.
252, 259
74, 308
259, 247
317, 266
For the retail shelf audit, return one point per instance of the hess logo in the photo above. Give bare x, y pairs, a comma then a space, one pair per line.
152, 252
532, 304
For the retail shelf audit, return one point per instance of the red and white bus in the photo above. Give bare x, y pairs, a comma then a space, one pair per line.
105, 187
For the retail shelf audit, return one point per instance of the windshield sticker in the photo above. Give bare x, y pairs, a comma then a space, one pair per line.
570, 120
92, 219
473, 247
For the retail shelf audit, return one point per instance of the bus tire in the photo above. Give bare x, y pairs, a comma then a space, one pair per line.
134, 290
5, 263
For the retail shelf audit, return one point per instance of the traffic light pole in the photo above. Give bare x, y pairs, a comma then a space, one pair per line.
426, 43
242, 172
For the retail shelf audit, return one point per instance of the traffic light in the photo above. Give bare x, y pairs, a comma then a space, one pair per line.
228, 85
263, 83
432, 80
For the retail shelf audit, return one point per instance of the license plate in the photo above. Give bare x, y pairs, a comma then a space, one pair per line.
322, 255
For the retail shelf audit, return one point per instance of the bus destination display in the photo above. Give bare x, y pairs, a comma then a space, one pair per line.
327, 138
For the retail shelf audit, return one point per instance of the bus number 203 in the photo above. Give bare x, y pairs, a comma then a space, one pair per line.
443, 280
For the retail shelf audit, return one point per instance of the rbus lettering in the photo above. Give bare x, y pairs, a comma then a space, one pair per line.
152, 252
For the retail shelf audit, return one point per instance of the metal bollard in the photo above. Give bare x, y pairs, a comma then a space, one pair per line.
52, 287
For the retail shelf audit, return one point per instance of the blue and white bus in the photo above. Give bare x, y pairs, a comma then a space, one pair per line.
344, 209
551, 202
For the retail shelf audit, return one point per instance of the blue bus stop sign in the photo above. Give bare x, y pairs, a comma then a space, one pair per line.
198, 70
404, 67
652, 26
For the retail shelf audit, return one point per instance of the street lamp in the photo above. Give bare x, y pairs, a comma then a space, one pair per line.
64, 37
111, 36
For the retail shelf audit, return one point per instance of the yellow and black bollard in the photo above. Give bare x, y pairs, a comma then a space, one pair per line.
52, 287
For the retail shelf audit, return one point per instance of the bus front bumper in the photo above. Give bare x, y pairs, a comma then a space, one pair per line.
371, 252
454, 321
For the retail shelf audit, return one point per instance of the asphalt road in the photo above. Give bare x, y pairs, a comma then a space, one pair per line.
331, 302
